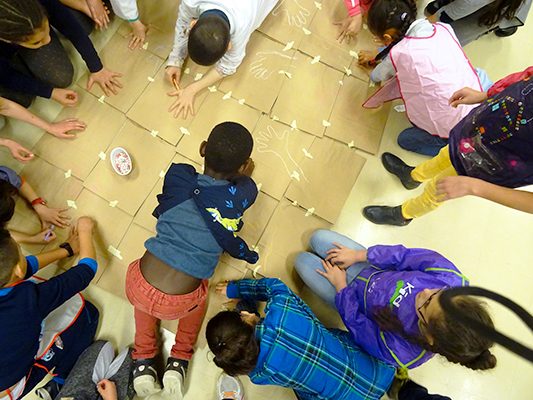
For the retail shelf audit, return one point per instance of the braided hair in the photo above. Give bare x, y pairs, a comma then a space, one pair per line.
391, 14
233, 343
499, 10
19, 19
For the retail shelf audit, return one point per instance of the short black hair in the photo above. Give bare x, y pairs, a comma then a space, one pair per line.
208, 40
7, 202
9, 256
228, 147
233, 343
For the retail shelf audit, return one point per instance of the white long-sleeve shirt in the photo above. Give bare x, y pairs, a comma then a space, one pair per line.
126, 9
244, 17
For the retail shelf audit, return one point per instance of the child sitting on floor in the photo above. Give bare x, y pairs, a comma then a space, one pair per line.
490, 153
211, 32
46, 325
12, 184
198, 217
423, 64
388, 296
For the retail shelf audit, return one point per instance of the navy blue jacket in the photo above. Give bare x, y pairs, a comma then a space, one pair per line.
222, 207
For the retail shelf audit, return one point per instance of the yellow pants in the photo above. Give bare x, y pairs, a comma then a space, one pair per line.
431, 171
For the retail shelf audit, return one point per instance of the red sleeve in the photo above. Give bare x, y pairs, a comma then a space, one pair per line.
509, 80
353, 7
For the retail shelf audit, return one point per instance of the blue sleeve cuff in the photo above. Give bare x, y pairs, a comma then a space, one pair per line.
90, 262
232, 291
33, 266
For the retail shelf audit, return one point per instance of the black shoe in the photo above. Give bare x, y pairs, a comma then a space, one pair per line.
397, 167
435, 6
49, 391
145, 380
383, 215
504, 32
174, 377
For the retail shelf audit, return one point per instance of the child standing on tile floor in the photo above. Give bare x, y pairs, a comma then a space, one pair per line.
388, 296
424, 65
471, 19
33, 61
46, 325
490, 153
211, 32
198, 217
12, 184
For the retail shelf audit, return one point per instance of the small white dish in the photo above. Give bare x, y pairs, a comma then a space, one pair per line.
121, 161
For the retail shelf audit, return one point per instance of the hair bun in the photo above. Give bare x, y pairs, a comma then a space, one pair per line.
486, 360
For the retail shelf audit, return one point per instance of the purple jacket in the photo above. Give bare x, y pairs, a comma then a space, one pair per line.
396, 276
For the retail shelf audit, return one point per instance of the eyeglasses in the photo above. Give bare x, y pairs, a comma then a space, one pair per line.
426, 304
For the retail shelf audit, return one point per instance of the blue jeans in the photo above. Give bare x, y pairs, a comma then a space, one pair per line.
307, 263
420, 141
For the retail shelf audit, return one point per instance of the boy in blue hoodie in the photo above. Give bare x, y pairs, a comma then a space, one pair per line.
198, 218
45, 325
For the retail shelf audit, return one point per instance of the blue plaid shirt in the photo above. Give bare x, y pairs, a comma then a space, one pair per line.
298, 352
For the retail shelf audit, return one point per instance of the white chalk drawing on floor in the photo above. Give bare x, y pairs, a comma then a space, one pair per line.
260, 67
296, 15
265, 144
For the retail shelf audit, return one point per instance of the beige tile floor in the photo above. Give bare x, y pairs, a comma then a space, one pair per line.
488, 242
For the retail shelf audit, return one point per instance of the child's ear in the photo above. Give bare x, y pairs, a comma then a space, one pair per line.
202, 148
193, 22
230, 46
387, 39
243, 169
18, 273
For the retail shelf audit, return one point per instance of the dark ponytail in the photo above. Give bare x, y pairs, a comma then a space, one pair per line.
20, 18
233, 343
498, 10
391, 14
7, 202
457, 342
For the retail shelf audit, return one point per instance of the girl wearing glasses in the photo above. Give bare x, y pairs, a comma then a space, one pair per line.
388, 296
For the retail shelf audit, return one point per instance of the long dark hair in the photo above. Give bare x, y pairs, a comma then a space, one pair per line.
7, 202
20, 18
451, 339
233, 343
391, 14
498, 10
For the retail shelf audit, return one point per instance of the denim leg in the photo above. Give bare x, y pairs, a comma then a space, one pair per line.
420, 141
307, 263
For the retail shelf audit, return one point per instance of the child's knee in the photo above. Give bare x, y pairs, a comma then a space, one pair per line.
304, 262
319, 238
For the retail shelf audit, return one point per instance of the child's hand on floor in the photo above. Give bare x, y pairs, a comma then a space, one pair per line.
61, 129
184, 104
107, 389
335, 275
18, 151
44, 237
467, 96
107, 80
365, 58
343, 257
349, 28
221, 288
54, 216
137, 35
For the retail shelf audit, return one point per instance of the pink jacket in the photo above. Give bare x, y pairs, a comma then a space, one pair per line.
428, 71
355, 7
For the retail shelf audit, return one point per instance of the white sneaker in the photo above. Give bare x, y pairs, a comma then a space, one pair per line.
173, 379
229, 388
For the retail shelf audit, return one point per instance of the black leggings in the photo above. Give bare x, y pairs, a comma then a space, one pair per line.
50, 64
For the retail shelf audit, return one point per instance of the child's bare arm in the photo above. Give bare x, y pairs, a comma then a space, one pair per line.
52, 256
54, 216
458, 186
44, 237
85, 229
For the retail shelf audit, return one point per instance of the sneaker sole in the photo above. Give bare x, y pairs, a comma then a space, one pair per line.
145, 386
173, 384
